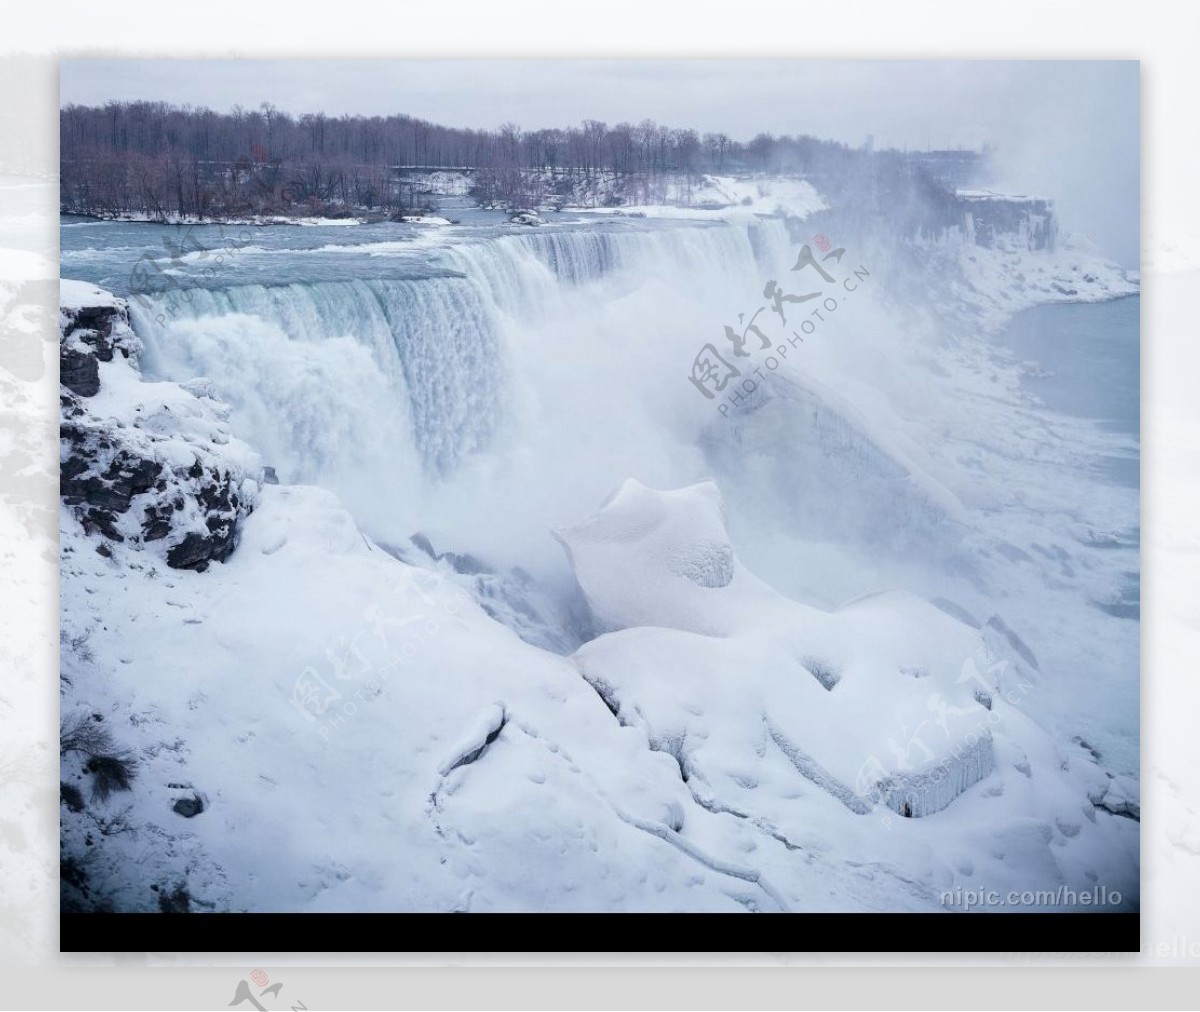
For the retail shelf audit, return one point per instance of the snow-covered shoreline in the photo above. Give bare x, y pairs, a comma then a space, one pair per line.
259, 220
998, 283
139, 217
709, 198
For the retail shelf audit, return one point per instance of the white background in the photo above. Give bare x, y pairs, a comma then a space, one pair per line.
1164, 36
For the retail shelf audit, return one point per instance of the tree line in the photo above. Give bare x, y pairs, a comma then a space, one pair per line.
162, 160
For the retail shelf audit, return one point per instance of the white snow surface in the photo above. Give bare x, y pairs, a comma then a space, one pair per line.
998, 282
374, 803
719, 198
888, 699
364, 737
81, 295
24, 265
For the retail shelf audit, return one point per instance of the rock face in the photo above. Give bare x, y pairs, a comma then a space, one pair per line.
145, 465
990, 219
91, 335
547, 619
189, 808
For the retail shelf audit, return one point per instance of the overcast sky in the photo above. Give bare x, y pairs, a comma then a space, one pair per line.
1067, 129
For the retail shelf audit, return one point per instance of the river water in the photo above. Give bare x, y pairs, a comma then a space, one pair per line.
1088, 356
1081, 363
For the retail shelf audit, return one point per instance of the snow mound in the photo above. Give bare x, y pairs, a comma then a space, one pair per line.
656, 558
424, 757
832, 691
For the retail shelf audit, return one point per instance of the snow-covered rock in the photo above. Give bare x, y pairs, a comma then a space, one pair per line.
74, 296
144, 465
995, 282
544, 616
93, 325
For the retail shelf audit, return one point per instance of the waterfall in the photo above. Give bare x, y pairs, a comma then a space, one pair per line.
384, 389
434, 349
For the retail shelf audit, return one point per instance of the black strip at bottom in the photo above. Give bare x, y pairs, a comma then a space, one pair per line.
827, 932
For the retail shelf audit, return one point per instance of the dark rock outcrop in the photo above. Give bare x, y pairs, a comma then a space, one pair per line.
460, 562
91, 335
189, 808
123, 477
79, 371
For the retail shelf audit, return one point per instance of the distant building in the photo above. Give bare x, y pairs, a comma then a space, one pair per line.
956, 168
987, 218
990, 219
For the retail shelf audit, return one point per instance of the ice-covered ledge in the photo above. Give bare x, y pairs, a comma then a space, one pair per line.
743, 686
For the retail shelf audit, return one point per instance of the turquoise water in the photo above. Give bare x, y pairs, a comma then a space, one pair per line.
1088, 356
131, 258
1084, 363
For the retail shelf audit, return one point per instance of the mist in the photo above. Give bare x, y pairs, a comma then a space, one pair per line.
1074, 137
